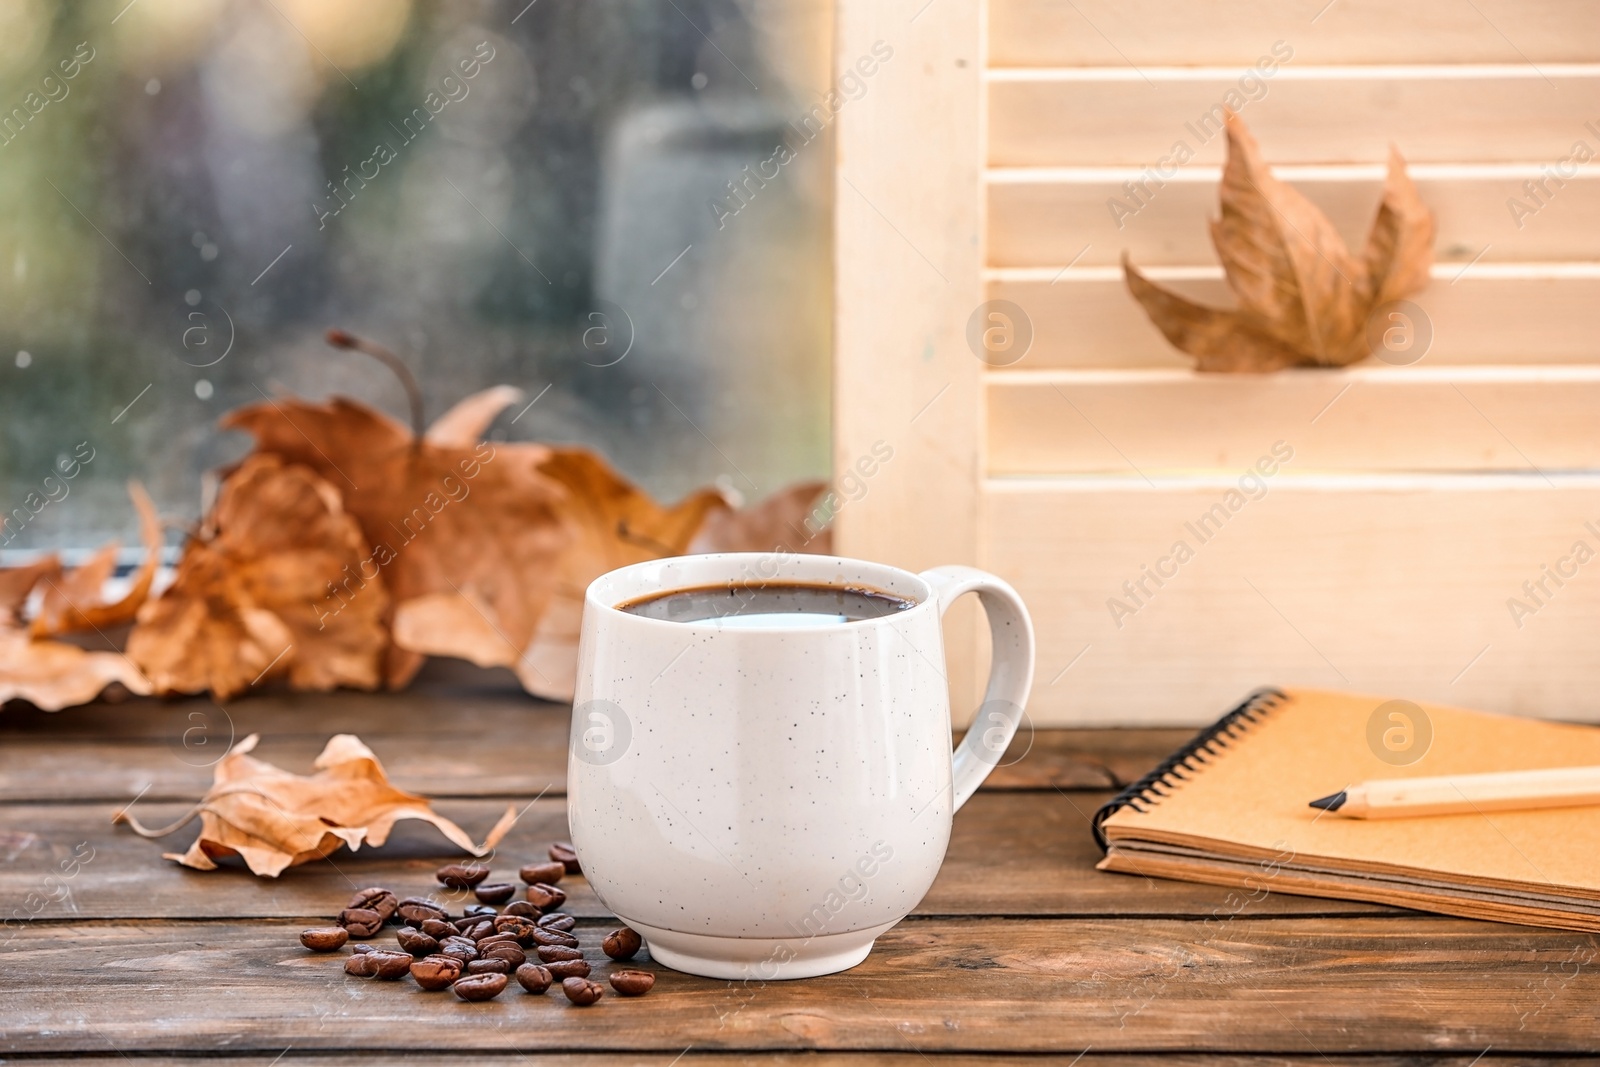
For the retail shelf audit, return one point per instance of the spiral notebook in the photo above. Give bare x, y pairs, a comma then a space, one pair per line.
1230, 808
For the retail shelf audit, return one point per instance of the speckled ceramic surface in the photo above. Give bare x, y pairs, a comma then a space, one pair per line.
763, 803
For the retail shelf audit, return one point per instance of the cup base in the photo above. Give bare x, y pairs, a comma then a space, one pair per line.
765, 959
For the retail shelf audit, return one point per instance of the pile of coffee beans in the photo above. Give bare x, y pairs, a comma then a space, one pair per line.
479, 953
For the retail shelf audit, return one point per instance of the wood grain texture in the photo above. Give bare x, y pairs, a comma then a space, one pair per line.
691, 1058
1044, 217
1027, 33
1084, 317
1382, 584
163, 750
1010, 854
1366, 418
1239, 984
1118, 115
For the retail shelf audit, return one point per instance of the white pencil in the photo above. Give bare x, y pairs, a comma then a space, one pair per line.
1396, 798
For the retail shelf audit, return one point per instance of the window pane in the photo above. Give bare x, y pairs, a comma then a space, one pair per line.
585, 200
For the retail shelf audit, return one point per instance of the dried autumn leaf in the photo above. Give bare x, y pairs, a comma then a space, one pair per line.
1303, 298
76, 601
786, 521
613, 523
273, 819
480, 522
53, 674
252, 595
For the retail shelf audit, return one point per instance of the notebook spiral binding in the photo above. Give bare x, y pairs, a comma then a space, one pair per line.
1150, 789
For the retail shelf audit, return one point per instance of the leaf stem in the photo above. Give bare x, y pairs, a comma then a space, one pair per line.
345, 339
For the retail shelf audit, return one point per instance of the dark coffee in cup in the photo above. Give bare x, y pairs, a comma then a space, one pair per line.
769, 604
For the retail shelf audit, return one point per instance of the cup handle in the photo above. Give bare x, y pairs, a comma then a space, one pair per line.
1010, 673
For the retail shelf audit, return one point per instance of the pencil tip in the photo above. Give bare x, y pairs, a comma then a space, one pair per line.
1330, 803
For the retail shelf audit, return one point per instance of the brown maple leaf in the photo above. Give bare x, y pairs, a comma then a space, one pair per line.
54, 674
475, 523
273, 819
1304, 300
266, 589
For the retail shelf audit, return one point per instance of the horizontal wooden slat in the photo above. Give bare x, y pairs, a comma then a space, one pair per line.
1116, 115
1010, 854
1040, 217
1026, 33
1384, 584
1479, 314
1362, 419
1238, 983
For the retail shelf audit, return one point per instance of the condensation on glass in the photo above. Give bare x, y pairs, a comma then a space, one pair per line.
578, 199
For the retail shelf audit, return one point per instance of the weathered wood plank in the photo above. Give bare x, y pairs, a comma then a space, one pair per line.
1304, 986
167, 748
1010, 854
849, 1059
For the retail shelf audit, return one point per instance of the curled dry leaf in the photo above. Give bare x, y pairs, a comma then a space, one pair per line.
1304, 300
53, 674
274, 819
77, 600
252, 595
475, 523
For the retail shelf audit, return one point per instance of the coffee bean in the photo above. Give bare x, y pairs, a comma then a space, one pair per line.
558, 920
416, 942
495, 892
479, 911
510, 952
460, 948
324, 938
391, 964
632, 983
622, 944
480, 986
482, 928
563, 853
487, 966
462, 875
581, 991
545, 896
549, 873
568, 968
484, 943
362, 965
361, 922
534, 978
558, 953
553, 937
439, 928
436, 972
518, 926
375, 899
365, 948
523, 908
416, 910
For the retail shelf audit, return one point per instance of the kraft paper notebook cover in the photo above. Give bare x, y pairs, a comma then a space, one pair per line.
1230, 808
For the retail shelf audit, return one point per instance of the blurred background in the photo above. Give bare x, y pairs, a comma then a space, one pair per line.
193, 191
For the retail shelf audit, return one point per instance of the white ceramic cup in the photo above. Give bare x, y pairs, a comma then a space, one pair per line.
764, 802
